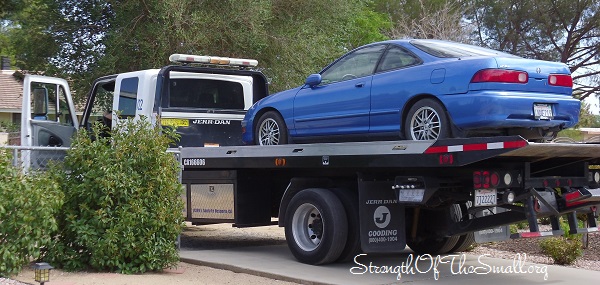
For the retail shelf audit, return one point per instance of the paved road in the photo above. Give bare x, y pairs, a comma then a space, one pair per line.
267, 256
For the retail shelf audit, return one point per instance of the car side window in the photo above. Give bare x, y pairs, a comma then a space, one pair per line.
354, 65
397, 57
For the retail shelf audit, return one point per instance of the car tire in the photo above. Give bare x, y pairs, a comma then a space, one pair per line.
426, 120
316, 226
271, 130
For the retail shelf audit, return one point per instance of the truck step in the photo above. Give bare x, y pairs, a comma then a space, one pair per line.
537, 234
595, 194
581, 196
586, 230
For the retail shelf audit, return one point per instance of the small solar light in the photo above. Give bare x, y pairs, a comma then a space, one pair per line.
42, 272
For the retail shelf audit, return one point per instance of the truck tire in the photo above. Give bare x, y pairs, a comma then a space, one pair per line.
316, 226
464, 241
426, 120
426, 242
270, 130
349, 200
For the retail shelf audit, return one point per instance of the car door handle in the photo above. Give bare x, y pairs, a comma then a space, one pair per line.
360, 84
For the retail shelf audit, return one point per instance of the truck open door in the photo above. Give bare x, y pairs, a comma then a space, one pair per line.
47, 118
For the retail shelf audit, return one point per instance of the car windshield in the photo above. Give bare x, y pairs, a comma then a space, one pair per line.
452, 49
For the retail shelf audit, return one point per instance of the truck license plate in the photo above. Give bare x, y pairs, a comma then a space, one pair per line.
411, 195
485, 197
542, 111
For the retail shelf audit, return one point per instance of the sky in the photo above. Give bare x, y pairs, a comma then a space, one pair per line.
594, 104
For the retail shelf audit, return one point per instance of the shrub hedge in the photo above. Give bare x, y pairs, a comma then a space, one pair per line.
28, 206
122, 210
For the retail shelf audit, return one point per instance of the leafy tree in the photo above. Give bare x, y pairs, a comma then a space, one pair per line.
7, 9
89, 38
428, 19
58, 38
586, 118
305, 36
558, 30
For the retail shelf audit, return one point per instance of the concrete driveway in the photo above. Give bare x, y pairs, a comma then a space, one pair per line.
263, 252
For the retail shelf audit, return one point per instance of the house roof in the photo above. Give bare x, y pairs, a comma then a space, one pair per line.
11, 91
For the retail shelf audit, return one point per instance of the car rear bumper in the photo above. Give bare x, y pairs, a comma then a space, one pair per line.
494, 109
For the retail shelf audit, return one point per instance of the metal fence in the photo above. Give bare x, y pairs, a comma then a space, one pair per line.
34, 157
177, 153
40, 157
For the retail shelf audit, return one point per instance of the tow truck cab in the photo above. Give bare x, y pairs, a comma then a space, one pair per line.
204, 103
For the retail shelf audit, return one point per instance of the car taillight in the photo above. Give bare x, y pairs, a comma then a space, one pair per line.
560, 80
500, 75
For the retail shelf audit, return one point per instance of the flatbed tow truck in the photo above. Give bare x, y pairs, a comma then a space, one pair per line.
334, 200
338, 199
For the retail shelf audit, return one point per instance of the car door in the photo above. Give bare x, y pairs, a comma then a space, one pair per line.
47, 118
340, 105
399, 76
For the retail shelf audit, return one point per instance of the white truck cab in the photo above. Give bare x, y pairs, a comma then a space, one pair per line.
204, 103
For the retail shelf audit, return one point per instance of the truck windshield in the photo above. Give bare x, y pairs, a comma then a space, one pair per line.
206, 93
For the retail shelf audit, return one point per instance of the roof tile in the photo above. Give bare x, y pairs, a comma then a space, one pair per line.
11, 91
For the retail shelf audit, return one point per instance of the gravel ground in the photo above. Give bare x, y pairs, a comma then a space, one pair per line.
507, 249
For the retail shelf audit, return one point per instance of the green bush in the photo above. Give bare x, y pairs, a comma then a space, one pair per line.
561, 249
122, 210
514, 228
28, 205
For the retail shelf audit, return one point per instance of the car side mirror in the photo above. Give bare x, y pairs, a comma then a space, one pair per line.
40, 102
313, 80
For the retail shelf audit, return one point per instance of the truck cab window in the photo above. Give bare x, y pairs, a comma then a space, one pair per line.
206, 93
55, 107
128, 97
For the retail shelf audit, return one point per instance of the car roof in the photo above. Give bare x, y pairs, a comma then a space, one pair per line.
447, 48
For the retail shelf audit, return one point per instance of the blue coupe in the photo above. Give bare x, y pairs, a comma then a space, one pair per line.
419, 90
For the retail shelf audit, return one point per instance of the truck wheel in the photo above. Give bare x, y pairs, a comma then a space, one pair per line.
426, 120
349, 200
426, 242
316, 226
468, 239
438, 245
271, 130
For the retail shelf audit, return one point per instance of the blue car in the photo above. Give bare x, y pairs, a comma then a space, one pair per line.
419, 90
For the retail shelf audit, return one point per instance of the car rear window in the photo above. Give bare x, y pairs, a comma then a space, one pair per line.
454, 50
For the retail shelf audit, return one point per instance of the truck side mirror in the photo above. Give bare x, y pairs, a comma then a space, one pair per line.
40, 103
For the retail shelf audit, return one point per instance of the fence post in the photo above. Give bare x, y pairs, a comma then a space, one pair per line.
15, 157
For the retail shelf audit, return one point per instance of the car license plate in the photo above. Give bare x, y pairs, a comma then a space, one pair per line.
485, 197
542, 111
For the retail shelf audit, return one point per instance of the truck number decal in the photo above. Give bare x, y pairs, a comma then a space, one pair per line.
194, 162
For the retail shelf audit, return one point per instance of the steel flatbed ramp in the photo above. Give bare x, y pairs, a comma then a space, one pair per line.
384, 154
405, 153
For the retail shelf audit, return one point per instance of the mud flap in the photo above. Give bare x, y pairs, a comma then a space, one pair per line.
499, 233
382, 221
